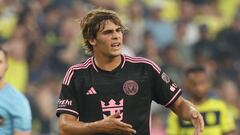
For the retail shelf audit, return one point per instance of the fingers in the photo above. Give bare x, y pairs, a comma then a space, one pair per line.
116, 115
198, 122
201, 123
126, 127
121, 127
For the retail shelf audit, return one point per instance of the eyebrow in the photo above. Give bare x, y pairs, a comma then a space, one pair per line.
111, 30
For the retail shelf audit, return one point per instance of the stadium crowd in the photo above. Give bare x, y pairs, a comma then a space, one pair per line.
43, 39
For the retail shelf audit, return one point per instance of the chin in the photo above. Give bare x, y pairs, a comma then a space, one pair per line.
115, 54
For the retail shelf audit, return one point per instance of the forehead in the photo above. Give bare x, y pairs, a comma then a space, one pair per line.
108, 24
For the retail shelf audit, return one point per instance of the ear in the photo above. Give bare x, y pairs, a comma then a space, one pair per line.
92, 42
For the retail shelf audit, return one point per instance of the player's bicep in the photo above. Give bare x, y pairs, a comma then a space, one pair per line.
165, 90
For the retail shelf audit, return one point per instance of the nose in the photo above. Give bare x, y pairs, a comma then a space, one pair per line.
116, 35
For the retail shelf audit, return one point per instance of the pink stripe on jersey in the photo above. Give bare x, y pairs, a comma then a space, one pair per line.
70, 72
94, 66
143, 60
123, 61
71, 68
69, 110
76, 68
173, 97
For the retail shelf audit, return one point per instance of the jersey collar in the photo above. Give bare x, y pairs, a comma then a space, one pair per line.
97, 69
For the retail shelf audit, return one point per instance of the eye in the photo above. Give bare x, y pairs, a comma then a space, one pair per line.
108, 32
119, 30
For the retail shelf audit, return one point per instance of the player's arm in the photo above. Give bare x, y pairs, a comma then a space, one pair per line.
69, 125
186, 110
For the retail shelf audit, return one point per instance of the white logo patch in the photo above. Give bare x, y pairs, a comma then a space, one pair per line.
165, 78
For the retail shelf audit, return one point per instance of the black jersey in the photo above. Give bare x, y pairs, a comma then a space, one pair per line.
92, 94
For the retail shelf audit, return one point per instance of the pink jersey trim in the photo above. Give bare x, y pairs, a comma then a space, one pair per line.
94, 66
124, 60
173, 97
143, 60
69, 110
70, 71
71, 68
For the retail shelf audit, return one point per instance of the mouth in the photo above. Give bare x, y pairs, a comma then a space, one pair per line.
115, 44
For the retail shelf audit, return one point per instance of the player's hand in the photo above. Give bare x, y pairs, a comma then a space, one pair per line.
197, 121
113, 125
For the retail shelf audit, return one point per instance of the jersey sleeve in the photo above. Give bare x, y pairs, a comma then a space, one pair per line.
21, 115
172, 124
67, 102
227, 120
164, 90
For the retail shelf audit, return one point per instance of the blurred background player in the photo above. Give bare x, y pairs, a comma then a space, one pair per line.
218, 119
15, 113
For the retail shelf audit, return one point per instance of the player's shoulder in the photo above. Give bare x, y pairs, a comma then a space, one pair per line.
142, 61
81, 66
134, 59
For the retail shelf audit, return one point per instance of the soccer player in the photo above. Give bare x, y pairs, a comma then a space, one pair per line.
15, 113
111, 93
217, 119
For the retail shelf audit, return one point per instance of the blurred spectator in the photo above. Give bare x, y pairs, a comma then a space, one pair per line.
172, 63
136, 26
162, 31
150, 48
15, 113
205, 46
17, 74
217, 118
229, 92
228, 39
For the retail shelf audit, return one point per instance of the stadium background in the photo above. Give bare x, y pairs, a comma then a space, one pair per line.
43, 39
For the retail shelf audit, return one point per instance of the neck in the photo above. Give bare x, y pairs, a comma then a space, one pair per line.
107, 63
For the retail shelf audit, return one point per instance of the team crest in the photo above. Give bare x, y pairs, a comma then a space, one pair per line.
165, 78
130, 87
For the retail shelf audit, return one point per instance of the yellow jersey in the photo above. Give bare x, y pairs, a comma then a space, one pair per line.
217, 119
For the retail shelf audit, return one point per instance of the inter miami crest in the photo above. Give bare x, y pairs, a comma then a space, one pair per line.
130, 87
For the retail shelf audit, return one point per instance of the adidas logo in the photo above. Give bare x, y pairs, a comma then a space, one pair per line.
91, 91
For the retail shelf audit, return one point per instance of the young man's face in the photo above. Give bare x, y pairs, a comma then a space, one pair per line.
108, 41
198, 84
3, 64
